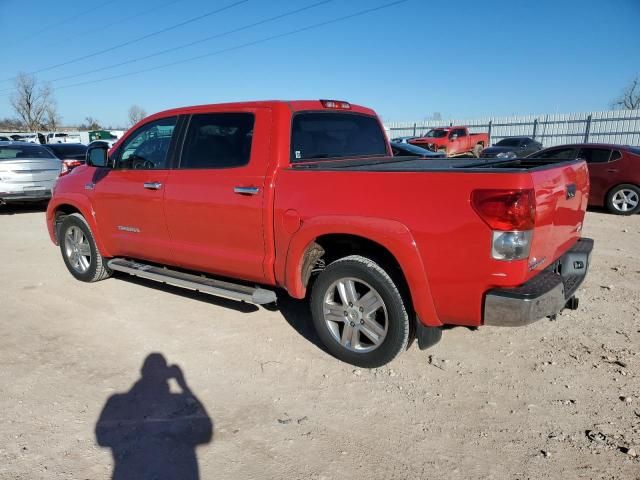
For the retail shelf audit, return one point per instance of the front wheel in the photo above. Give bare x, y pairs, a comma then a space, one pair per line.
359, 313
79, 251
624, 199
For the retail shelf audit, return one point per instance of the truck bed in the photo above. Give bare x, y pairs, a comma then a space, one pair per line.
412, 164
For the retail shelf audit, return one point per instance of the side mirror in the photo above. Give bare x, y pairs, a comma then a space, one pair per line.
98, 155
453, 136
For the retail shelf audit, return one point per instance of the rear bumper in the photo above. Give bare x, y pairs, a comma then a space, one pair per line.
43, 194
544, 295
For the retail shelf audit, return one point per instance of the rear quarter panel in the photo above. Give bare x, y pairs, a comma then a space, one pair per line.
452, 243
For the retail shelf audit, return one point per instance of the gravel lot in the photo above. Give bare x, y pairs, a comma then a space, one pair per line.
557, 399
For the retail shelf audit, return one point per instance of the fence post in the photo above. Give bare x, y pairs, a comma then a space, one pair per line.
587, 129
489, 132
535, 128
414, 129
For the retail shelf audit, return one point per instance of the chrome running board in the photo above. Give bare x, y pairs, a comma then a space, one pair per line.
256, 295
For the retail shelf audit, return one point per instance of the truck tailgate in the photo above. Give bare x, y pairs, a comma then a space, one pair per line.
561, 199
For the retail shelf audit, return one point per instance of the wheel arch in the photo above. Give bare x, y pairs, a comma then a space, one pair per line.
389, 242
61, 207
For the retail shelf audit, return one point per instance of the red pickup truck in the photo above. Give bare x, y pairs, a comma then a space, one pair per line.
453, 141
304, 197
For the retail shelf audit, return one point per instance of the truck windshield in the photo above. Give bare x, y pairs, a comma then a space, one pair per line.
437, 133
319, 135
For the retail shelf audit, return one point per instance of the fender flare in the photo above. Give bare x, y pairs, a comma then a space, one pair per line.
83, 205
390, 234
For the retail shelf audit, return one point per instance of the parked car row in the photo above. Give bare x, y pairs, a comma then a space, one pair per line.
28, 171
614, 170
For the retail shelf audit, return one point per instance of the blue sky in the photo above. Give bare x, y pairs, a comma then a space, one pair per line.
463, 59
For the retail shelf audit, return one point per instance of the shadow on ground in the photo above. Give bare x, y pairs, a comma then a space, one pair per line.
17, 208
295, 312
153, 432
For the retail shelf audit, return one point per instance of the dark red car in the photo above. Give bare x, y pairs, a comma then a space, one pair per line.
614, 172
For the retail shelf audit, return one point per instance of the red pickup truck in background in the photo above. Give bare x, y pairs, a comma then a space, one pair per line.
453, 141
242, 199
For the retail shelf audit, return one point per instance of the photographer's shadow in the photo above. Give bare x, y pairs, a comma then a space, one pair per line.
152, 432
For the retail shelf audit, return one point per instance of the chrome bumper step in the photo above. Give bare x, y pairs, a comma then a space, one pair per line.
256, 295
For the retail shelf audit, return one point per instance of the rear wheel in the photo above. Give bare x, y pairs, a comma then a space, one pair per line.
79, 251
624, 199
476, 150
359, 313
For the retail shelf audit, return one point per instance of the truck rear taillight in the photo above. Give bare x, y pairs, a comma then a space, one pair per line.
505, 209
68, 165
336, 104
511, 215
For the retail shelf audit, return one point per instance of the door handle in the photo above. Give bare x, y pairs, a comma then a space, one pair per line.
611, 170
246, 190
152, 185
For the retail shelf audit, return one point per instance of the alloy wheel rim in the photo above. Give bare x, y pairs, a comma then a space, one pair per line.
355, 315
77, 249
625, 200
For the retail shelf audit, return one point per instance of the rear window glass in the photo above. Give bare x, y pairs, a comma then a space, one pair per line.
595, 155
68, 149
557, 153
319, 135
24, 151
509, 142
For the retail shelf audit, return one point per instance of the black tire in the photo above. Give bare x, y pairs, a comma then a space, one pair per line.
633, 191
96, 265
476, 150
366, 273
617, 208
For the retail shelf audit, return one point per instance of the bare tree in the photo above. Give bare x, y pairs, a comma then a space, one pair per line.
630, 98
136, 113
11, 124
31, 101
90, 123
52, 118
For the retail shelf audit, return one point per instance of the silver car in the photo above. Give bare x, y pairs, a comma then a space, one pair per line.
27, 172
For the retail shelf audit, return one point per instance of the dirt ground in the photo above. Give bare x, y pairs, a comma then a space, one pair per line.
258, 398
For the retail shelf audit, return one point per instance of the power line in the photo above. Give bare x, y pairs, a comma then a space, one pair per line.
238, 47
136, 40
189, 44
71, 18
104, 26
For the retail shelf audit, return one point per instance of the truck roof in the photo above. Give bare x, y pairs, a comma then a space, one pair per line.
293, 105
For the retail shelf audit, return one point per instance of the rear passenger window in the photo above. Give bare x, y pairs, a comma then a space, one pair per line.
595, 155
218, 140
